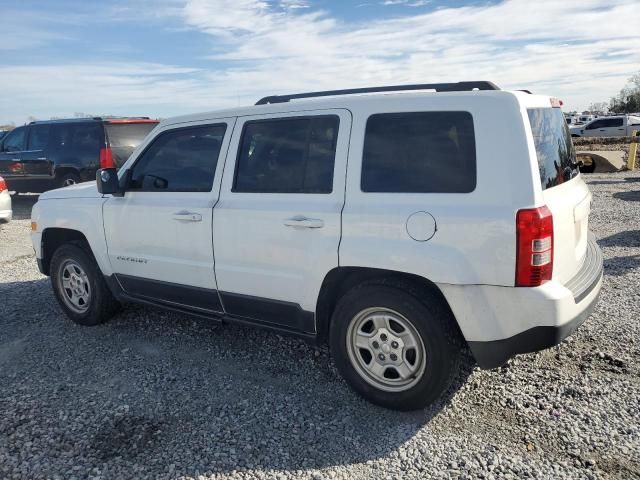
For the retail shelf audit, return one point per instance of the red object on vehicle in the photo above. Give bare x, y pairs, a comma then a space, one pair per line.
3, 185
534, 246
106, 158
556, 102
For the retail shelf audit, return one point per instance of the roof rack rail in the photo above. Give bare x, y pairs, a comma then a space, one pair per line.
438, 87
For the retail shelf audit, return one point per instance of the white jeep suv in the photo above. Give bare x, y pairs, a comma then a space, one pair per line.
400, 228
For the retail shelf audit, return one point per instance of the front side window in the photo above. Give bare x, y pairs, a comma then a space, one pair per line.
14, 141
419, 152
290, 155
596, 124
180, 160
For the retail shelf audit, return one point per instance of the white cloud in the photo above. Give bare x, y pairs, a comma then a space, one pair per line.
406, 3
580, 54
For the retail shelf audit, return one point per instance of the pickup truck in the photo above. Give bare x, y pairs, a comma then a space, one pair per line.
618, 126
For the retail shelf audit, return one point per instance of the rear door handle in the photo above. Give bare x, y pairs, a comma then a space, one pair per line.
184, 216
301, 221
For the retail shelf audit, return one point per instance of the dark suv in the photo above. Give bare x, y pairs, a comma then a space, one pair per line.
51, 154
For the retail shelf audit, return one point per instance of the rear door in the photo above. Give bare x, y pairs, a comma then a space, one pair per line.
614, 127
11, 151
36, 159
563, 190
276, 228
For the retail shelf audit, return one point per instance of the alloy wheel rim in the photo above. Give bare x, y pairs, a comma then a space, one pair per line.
385, 349
74, 287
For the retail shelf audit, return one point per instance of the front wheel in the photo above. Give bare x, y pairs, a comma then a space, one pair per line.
396, 349
79, 286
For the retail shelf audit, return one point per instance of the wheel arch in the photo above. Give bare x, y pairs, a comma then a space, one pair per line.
53, 238
340, 280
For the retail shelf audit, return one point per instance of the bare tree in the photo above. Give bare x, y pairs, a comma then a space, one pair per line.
599, 107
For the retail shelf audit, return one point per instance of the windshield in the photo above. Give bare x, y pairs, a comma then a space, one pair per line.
554, 149
125, 137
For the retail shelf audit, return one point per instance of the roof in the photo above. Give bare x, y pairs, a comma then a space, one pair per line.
351, 101
98, 119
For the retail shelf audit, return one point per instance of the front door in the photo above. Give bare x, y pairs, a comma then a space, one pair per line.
159, 233
276, 227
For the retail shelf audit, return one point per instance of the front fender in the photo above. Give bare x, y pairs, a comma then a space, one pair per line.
82, 215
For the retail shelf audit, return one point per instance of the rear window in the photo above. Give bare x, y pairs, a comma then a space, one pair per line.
554, 149
125, 137
419, 152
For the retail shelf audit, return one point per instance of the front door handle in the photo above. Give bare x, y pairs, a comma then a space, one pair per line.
301, 221
184, 216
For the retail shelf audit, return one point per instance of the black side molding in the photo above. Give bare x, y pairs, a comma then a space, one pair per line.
285, 317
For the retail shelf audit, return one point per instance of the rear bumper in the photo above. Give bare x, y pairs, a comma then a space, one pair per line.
6, 215
500, 322
30, 183
495, 353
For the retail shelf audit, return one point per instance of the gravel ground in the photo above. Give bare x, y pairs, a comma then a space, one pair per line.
160, 395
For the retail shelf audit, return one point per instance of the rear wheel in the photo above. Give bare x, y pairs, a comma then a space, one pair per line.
396, 349
79, 286
68, 179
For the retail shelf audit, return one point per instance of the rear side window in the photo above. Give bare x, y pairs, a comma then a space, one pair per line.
419, 152
39, 137
554, 149
125, 137
77, 137
291, 155
180, 160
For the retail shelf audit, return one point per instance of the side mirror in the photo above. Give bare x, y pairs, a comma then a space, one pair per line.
107, 181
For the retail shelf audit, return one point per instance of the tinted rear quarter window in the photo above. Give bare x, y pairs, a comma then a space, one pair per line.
77, 138
419, 152
554, 149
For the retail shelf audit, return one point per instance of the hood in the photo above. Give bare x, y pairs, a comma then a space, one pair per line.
81, 190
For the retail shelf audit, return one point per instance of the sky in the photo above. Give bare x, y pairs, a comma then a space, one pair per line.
169, 57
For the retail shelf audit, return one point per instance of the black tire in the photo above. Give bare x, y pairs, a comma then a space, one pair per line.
67, 179
588, 168
433, 322
101, 305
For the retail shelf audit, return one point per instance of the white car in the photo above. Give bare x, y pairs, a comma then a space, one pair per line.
399, 228
614, 126
6, 212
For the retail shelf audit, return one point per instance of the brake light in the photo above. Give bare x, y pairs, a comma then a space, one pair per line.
534, 246
3, 185
106, 158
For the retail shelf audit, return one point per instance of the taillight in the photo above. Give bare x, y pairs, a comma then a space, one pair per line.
3, 185
534, 247
106, 158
